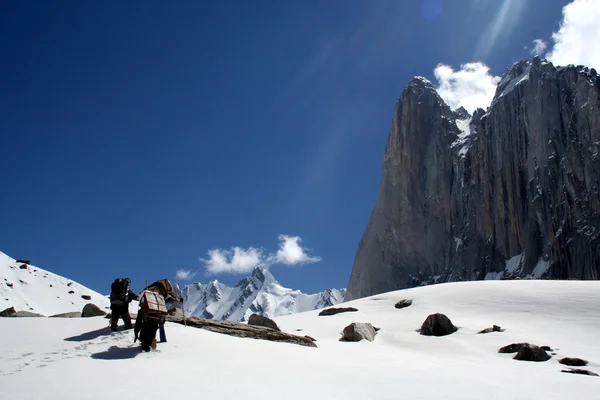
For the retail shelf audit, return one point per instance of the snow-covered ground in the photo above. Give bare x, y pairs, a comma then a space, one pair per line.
78, 358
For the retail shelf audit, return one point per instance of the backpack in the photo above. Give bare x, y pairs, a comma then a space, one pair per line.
119, 291
152, 306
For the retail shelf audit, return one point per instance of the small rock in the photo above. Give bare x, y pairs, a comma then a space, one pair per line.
9, 312
50, 285
357, 331
22, 281
71, 292
437, 325
573, 362
92, 310
333, 311
546, 348
259, 320
23, 261
9, 284
74, 314
494, 328
23, 266
69, 284
86, 297
579, 371
403, 303
531, 352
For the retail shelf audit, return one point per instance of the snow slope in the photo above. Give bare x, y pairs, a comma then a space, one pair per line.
258, 293
79, 358
36, 290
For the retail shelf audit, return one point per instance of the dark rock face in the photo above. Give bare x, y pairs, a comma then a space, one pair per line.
403, 303
92, 310
357, 331
437, 325
333, 311
259, 320
573, 362
531, 352
458, 198
579, 371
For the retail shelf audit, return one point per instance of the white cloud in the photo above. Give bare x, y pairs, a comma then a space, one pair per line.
539, 46
291, 253
472, 86
242, 261
184, 275
578, 39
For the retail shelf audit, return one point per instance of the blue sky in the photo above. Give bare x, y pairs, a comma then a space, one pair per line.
138, 136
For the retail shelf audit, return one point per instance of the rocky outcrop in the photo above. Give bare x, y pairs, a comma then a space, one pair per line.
437, 325
259, 320
11, 312
357, 331
531, 352
336, 310
511, 191
244, 330
73, 314
403, 303
92, 310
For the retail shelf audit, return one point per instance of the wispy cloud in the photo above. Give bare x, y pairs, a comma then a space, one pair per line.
578, 39
472, 86
539, 46
184, 275
238, 260
508, 15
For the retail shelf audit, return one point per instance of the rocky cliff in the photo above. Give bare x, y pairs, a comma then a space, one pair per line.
511, 191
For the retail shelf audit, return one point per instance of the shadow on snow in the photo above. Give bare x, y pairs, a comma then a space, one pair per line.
117, 353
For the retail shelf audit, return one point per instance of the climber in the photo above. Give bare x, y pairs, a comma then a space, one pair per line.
120, 297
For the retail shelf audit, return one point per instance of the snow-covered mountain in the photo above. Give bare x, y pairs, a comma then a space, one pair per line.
259, 293
29, 288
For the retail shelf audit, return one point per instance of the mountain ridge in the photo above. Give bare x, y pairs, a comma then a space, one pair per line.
507, 192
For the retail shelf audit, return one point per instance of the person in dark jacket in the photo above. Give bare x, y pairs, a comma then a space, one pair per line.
120, 298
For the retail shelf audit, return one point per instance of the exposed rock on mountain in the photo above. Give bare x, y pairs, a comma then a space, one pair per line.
513, 191
259, 293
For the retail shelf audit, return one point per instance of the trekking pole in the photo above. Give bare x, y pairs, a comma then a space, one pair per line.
182, 302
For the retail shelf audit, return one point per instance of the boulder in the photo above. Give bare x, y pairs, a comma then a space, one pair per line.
86, 297
579, 371
357, 331
9, 312
334, 310
71, 292
573, 362
403, 303
437, 325
23, 261
23, 266
92, 310
512, 348
259, 320
494, 328
73, 314
531, 352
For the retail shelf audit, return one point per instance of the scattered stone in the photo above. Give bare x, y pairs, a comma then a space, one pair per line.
579, 371
437, 325
71, 292
243, 330
50, 285
22, 281
69, 284
531, 352
86, 297
74, 314
403, 303
9, 284
546, 348
23, 261
573, 362
334, 310
259, 320
92, 310
9, 312
512, 348
494, 328
23, 266
357, 331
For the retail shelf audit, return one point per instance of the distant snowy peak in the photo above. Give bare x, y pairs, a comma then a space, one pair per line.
258, 293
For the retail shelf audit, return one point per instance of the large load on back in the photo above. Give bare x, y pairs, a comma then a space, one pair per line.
118, 291
152, 306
